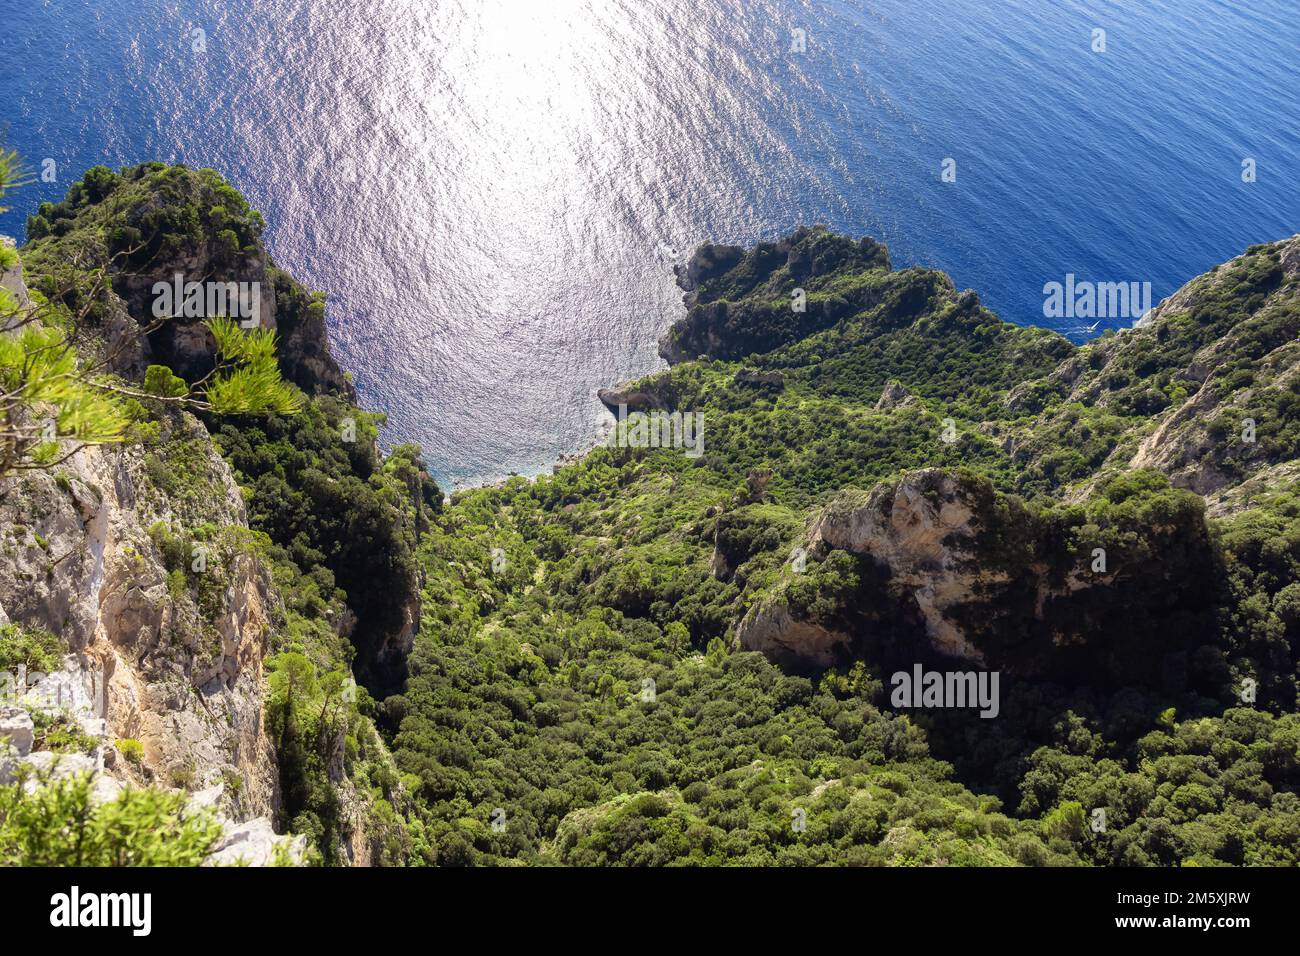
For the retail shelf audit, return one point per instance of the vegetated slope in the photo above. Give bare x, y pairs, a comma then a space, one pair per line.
892, 476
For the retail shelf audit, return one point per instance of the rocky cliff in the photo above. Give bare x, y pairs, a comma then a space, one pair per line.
745, 301
152, 651
952, 569
173, 571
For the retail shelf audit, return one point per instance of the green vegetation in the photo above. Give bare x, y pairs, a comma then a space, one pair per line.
39, 371
59, 387
337, 524
322, 737
59, 824
344, 517
59, 733
576, 695
130, 749
1204, 792
40, 652
12, 173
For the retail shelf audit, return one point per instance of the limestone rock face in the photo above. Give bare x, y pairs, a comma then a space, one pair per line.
16, 730
146, 660
252, 842
769, 380
773, 632
139, 557
950, 570
183, 344
1184, 445
177, 669
1232, 357
360, 845
707, 262
255, 843
1235, 498
170, 656
892, 395
922, 528
381, 661
1181, 447
639, 395
11, 278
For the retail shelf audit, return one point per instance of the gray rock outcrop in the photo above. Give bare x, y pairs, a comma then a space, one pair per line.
161, 654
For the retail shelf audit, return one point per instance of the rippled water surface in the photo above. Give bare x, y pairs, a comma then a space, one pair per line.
493, 192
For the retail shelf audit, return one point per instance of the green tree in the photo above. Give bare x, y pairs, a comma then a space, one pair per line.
54, 401
12, 173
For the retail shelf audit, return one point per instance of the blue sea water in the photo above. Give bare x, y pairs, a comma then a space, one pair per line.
493, 193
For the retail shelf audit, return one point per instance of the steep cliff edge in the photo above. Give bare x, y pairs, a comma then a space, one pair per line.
225, 573
1205, 390
952, 569
890, 477
153, 223
159, 676
1202, 389
745, 301
181, 657
154, 226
